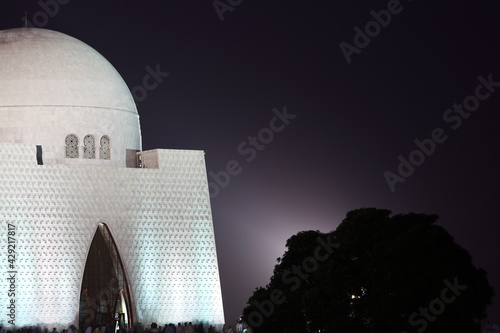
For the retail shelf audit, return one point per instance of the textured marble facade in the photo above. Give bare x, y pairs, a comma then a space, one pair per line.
64, 105
160, 220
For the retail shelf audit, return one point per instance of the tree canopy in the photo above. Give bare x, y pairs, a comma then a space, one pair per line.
374, 273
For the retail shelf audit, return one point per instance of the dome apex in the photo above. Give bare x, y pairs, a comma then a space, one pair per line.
45, 67
52, 86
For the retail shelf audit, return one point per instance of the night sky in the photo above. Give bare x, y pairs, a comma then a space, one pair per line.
344, 119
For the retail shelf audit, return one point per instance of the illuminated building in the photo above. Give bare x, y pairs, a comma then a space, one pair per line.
98, 228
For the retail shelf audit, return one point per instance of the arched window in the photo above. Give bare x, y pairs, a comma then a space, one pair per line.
89, 146
105, 150
71, 146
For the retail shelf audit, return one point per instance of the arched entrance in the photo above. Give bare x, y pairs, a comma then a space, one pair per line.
104, 296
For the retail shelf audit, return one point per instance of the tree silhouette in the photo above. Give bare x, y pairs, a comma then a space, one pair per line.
374, 273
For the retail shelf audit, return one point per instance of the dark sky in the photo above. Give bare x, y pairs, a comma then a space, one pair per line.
352, 120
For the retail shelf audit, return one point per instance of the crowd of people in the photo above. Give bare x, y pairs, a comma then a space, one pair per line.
154, 328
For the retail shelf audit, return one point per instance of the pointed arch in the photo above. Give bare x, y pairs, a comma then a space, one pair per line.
105, 295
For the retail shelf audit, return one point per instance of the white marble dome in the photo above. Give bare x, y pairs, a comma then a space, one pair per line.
53, 86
